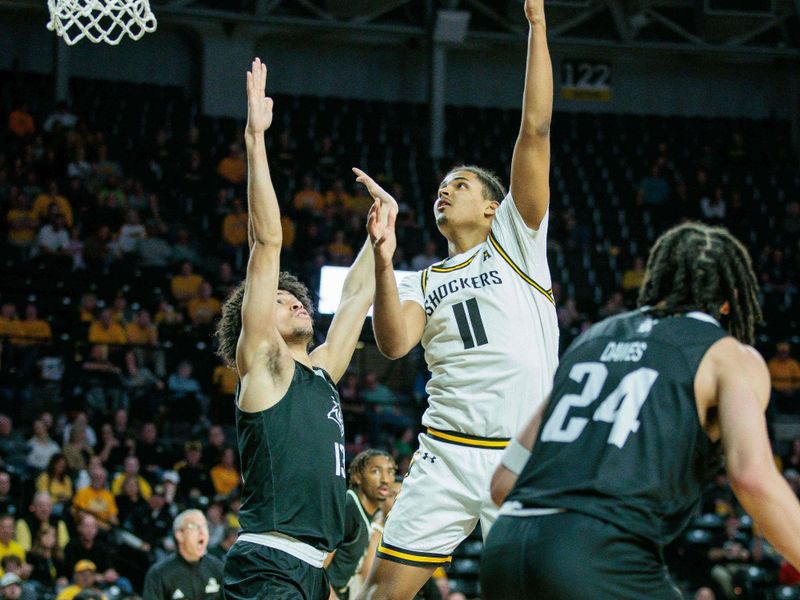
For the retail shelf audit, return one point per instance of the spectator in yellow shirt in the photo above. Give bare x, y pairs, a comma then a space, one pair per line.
32, 329
40, 515
9, 324
234, 225
288, 231
141, 331
233, 168
88, 307
339, 251
131, 469
203, 309
8, 545
633, 278
107, 331
785, 373
225, 379
308, 198
21, 221
55, 480
96, 499
185, 285
85, 579
225, 476
337, 199
41, 206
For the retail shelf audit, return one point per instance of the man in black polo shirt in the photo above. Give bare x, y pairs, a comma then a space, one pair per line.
190, 573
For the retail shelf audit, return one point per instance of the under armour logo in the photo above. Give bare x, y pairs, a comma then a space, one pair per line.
486, 255
647, 325
428, 457
178, 594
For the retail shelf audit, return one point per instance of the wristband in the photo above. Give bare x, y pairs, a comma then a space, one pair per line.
376, 527
515, 457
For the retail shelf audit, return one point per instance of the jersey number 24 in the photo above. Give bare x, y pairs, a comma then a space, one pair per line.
621, 407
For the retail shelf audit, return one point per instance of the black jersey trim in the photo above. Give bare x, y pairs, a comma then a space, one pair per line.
547, 293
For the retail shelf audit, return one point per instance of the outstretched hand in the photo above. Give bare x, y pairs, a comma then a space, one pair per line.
259, 106
381, 219
534, 11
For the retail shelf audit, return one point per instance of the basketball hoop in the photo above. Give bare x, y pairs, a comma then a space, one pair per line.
100, 20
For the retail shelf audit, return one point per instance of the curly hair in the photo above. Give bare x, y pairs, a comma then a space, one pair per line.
697, 267
360, 463
229, 326
492, 186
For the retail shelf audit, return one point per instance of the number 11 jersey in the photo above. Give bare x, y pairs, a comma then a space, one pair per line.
491, 335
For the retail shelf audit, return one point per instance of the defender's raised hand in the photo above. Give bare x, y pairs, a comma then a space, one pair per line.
534, 11
259, 106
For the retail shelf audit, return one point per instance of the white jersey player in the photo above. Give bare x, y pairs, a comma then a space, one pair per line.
487, 320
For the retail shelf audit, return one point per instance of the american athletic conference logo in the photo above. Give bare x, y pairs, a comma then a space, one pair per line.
335, 414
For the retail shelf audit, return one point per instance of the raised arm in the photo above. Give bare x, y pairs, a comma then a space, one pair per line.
742, 390
530, 165
398, 327
359, 288
259, 335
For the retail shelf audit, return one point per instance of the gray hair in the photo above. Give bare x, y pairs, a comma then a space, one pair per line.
177, 524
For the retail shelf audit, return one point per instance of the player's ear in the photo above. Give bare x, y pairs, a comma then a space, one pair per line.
491, 208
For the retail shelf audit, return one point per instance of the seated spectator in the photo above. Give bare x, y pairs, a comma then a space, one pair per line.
234, 233
229, 537
85, 582
102, 378
44, 201
106, 331
103, 168
226, 280
120, 313
55, 479
288, 232
195, 479
152, 522
130, 497
224, 475
40, 447
79, 168
87, 310
8, 501
131, 471
185, 285
32, 329
61, 116
378, 395
13, 449
140, 384
46, 558
8, 545
632, 278
784, 371
80, 420
167, 315
337, 199
184, 249
113, 450
152, 453
21, 222
20, 121
40, 514
653, 189
186, 388
233, 168
9, 326
224, 379
141, 331
215, 515
308, 199
98, 251
154, 250
215, 446
339, 251
360, 202
12, 587
96, 499
78, 451
714, 210
204, 308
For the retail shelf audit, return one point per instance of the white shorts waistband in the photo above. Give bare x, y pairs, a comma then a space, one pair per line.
285, 543
515, 509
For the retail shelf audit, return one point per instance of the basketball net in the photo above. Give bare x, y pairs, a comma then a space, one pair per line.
100, 20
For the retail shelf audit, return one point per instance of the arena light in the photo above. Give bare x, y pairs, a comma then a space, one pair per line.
331, 282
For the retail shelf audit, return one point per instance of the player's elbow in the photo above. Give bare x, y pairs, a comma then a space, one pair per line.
749, 481
535, 128
392, 351
498, 492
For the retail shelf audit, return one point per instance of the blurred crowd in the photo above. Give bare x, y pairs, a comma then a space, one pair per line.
114, 412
